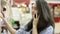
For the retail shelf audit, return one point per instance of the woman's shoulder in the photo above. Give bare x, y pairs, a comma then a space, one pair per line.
22, 31
48, 30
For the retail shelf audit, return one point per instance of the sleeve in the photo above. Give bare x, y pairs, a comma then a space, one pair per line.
22, 31
49, 30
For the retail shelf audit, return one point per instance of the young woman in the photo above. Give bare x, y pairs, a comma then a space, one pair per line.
41, 23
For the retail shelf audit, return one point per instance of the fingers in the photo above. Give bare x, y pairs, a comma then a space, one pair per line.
36, 16
33, 16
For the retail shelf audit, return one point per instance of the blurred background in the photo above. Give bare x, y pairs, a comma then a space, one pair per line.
18, 13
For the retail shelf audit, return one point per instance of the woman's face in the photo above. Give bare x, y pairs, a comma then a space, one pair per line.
34, 9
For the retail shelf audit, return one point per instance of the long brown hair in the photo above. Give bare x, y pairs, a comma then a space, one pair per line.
45, 18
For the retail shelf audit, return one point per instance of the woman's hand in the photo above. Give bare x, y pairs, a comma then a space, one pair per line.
8, 26
1, 16
35, 20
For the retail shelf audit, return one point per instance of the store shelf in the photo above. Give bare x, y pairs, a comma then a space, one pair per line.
53, 1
